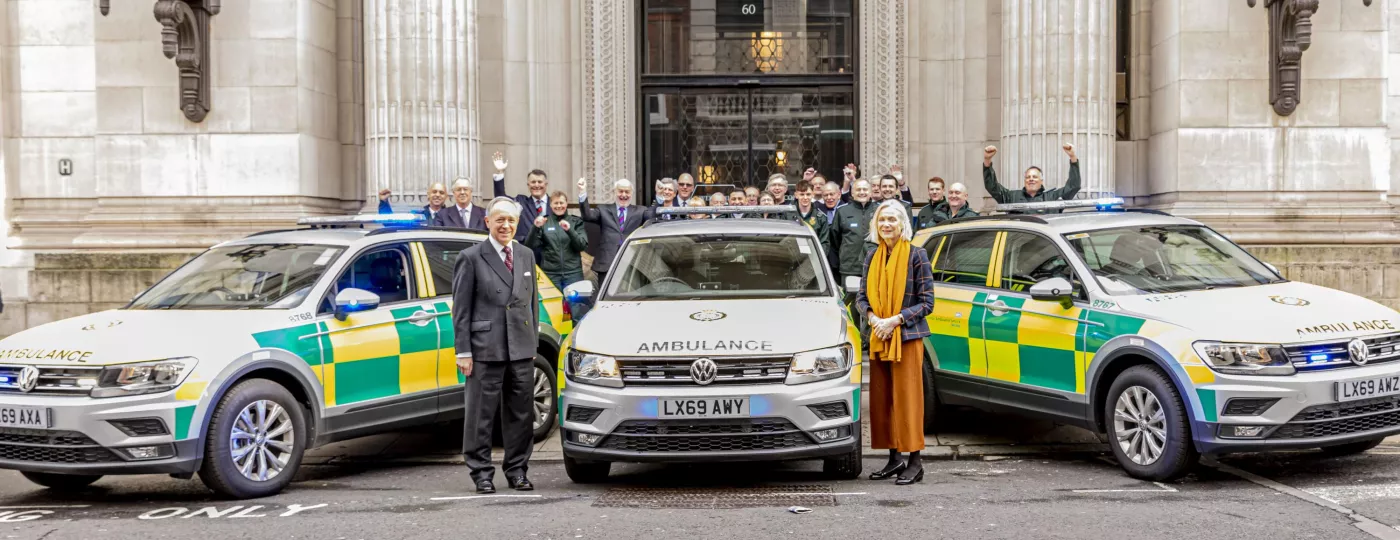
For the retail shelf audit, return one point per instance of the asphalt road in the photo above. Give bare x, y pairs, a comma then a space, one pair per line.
1298, 495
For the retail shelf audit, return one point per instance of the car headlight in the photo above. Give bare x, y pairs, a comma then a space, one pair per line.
143, 377
820, 365
589, 368
1245, 358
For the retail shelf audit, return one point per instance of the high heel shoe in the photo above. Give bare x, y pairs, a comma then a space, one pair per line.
889, 470
905, 480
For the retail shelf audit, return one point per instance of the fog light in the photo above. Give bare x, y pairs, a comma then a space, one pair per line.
149, 452
586, 439
827, 435
1242, 432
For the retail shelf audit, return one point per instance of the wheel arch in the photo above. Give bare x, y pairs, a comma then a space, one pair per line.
1122, 353
281, 367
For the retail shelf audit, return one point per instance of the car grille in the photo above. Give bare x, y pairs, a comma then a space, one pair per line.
1385, 348
142, 427
1248, 406
41, 446
830, 410
1342, 419
64, 380
663, 436
676, 371
582, 415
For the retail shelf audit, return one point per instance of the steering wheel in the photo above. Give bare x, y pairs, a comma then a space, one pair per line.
671, 279
224, 291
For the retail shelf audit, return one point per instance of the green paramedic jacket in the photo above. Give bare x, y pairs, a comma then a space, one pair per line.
817, 221
559, 249
848, 237
1006, 196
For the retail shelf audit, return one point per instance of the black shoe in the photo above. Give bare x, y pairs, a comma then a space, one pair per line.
906, 479
889, 470
520, 483
485, 486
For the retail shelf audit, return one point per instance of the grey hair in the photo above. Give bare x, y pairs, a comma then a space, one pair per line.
832, 185
622, 183
666, 182
776, 177
504, 205
463, 181
896, 206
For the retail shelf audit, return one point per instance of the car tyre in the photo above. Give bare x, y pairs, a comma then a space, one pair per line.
846, 466
1351, 448
1151, 439
586, 472
62, 482
545, 399
220, 471
931, 404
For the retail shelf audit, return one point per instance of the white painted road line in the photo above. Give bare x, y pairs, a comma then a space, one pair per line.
47, 506
1163, 489
802, 494
468, 497
1355, 494
1367, 525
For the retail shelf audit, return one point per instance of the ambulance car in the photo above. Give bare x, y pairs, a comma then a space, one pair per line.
254, 351
712, 340
1157, 331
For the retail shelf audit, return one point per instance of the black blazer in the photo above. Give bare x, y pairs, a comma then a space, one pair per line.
495, 315
610, 235
450, 217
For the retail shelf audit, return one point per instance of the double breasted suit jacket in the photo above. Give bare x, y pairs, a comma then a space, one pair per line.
495, 313
610, 232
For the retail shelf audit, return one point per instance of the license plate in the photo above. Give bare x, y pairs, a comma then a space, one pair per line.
24, 417
1368, 388
703, 407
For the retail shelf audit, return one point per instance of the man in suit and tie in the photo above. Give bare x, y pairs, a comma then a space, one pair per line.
437, 197
495, 325
615, 222
463, 214
534, 205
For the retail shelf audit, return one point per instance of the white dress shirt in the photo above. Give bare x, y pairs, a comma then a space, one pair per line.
466, 214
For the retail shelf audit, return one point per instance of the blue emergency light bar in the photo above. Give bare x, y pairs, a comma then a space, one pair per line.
773, 209
1101, 204
403, 219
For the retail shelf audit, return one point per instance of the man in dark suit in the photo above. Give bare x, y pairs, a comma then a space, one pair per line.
615, 222
437, 197
463, 214
534, 205
495, 324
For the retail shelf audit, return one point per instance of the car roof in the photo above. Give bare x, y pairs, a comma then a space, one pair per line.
349, 236
686, 227
1072, 222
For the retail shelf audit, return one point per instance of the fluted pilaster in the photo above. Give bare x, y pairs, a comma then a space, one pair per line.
1058, 87
423, 123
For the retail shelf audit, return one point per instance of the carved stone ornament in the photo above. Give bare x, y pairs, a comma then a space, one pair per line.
184, 37
1290, 33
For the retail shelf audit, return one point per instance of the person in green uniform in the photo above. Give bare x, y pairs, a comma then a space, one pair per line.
852, 226
956, 205
808, 213
1035, 183
559, 238
927, 214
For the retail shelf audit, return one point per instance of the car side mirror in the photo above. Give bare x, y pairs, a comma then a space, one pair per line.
1055, 289
579, 292
852, 284
353, 300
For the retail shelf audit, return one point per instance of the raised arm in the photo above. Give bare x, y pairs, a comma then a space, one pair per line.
1072, 184
586, 210
384, 207
989, 176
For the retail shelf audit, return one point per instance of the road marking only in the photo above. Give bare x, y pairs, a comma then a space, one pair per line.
1367, 525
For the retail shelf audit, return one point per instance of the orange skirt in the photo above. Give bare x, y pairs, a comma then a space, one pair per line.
897, 401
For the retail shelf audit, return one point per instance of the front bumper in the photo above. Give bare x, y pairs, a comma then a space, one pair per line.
780, 426
1306, 414
82, 438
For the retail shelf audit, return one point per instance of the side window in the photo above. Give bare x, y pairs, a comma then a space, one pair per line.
1032, 258
442, 262
383, 271
966, 258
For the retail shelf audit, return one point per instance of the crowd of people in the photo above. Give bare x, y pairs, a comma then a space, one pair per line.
840, 214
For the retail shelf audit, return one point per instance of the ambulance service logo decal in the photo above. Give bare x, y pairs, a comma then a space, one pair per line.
1289, 301
707, 315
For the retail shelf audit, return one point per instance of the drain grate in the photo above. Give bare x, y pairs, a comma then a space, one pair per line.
717, 498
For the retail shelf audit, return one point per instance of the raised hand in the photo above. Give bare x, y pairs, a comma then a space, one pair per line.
499, 160
539, 221
582, 185
564, 225
898, 173
987, 154
1069, 150
384, 194
809, 173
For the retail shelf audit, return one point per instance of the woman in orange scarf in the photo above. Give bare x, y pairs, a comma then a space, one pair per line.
895, 296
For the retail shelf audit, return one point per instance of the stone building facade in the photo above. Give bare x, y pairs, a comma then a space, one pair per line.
111, 178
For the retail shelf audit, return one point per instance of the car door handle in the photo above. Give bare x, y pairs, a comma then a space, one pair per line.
421, 318
997, 308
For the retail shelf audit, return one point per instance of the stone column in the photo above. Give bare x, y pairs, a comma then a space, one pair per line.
422, 121
883, 42
608, 74
1057, 87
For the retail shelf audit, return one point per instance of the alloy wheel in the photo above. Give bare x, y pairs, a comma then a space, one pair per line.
544, 398
1140, 425
261, 440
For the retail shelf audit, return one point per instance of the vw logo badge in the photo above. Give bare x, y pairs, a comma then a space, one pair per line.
703, 371
1289, 301
28, 378
707, 315
1358, 351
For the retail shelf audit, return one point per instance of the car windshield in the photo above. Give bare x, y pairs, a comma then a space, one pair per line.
1153, 260
274, 276
718, 266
